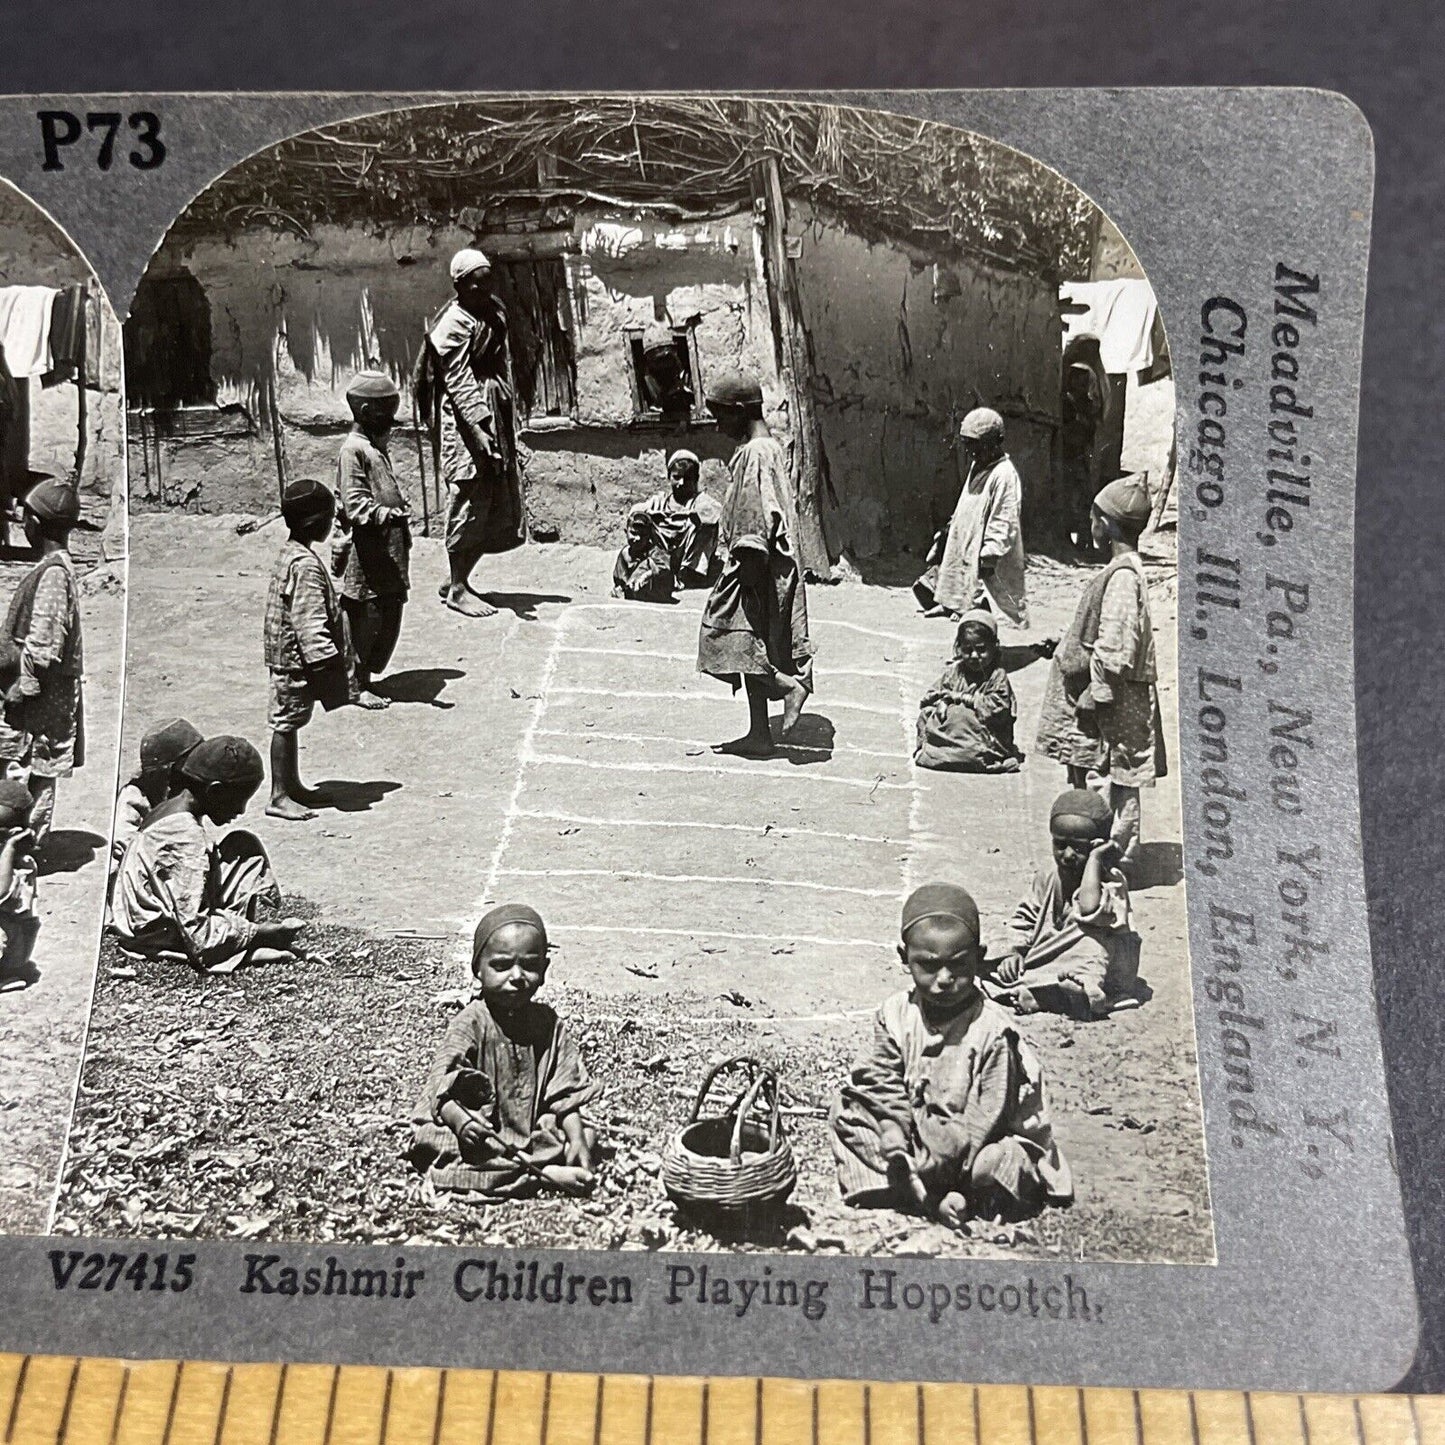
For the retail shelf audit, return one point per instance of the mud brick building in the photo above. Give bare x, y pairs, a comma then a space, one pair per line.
883, 276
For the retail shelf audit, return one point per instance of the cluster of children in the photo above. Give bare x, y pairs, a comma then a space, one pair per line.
1100, 712
671, 538
944, 1112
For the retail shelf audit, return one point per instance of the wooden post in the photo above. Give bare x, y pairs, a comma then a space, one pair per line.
790, 345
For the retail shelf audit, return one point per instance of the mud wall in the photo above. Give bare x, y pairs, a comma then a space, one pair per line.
902, 350
35, 252
298, 317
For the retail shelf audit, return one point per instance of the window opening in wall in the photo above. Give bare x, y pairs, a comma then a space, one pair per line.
168, 345
666, 375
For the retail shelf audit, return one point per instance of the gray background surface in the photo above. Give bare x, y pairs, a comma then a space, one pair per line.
1401, 524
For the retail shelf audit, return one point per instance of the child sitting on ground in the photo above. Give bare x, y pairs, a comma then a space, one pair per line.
179, 896
18, 923
1070, 948
163, 748
308, 650
945, 1112
966, 720
643, 570
501, 1113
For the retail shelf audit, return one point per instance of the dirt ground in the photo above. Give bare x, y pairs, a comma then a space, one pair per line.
42, 1026
701, 907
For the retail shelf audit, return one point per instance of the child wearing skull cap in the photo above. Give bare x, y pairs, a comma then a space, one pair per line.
163, 748
1100, 711
944, 1112
373, 521
182, 897
307, 644
501, 1112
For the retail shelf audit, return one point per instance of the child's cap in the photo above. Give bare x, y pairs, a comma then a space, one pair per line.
978, 617
1084, 806
167, 744
686, 457
941, 900
16, 803
372, 386
1126, 501
500, 917
306, 501
224, 759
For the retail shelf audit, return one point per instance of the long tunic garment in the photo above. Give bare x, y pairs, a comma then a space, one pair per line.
689, 531
1100, 710
1098, 951
966, 726
758, 629
968, 1095
985, 524
377, 563
181, 897
518, 1074
44, 621
467, 393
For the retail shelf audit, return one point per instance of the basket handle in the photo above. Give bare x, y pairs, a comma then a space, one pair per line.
707, 1083
765, 1083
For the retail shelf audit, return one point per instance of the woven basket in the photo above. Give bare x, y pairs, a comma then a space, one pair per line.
738, 1159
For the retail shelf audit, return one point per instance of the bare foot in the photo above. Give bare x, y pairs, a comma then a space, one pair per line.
937, 610
571, 1177
371, 701
747, 746
468, 603
289, 809
793, 706
953, 1211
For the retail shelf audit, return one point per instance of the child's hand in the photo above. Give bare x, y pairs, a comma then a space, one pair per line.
473, 1137
1106, 851
1010, 968
579, 1154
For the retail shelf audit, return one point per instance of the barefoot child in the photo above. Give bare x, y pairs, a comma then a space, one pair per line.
686, 519
163, 748
307, 647
945, 1111
18, 923
1070, 947
642, 572
501, 1113
181, 897
966, 720
1100, 713
754, 630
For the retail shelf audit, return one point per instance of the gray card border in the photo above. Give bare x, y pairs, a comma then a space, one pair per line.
1213, 188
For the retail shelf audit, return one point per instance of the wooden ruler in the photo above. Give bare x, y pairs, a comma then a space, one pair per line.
54, 1400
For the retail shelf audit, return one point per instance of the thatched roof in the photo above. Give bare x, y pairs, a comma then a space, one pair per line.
942, 190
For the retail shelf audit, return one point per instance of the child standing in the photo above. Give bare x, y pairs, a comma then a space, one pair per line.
966, 720
18, 923
945, 1111
501, 1113
1100, 713
179, 896
642, 572
307, 646
163, 748
1070, 947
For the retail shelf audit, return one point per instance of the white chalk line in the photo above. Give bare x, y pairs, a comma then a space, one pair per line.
877, 674
757, 1021
557, 760
775, 831
703, 743
702, 934
758, 881
710, 697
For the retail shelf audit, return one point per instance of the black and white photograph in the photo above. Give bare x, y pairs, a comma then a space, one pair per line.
651, 711
62, 581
